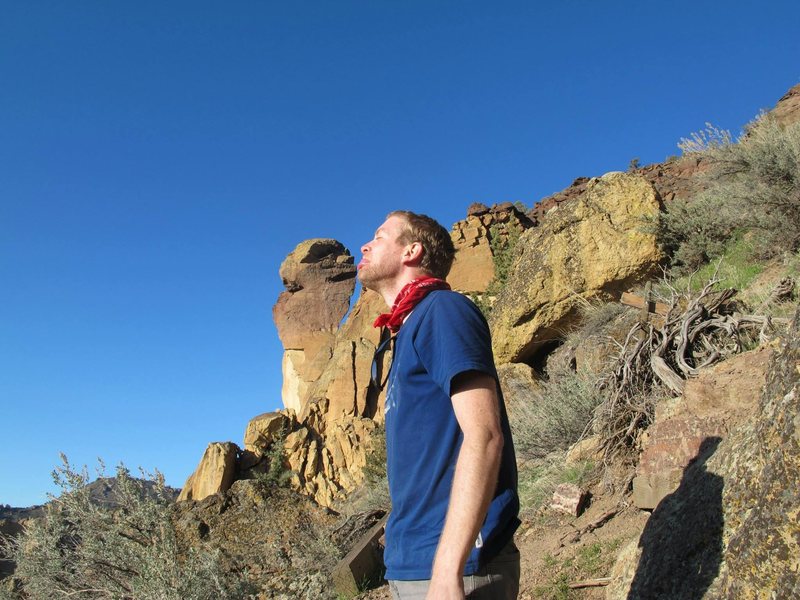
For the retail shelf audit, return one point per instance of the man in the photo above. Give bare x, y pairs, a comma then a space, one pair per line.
450, 459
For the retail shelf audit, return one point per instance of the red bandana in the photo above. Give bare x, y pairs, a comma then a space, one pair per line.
407, 299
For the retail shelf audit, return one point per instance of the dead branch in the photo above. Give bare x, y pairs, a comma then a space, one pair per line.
599, 582
699, 329
596, 524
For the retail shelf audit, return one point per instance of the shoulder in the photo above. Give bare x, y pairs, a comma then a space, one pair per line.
451, 299
449, 306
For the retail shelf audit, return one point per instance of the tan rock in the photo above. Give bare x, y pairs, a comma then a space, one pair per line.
312, 468
297, 461
326, 491
295, 387
295, 440
319, 276
264, 429
345, 374
592, 247
587, 449
214, 474
730, 389
787, 111
473, 267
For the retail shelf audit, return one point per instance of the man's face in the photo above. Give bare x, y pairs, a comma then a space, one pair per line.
381, 258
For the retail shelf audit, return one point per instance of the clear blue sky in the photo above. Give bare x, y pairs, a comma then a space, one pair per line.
158, 160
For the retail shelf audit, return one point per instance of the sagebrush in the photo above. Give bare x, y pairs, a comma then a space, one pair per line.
752, 185
122, 548
557, 416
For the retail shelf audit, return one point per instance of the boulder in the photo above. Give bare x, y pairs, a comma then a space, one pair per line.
591, 248
215, 473
719, 399
730, 528
569, 498
761, 502
264, 429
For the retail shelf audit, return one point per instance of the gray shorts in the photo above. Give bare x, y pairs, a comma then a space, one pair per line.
498, 580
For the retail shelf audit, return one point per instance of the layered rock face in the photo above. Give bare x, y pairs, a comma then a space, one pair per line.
592, 247
473, 267
344, 374
319, 276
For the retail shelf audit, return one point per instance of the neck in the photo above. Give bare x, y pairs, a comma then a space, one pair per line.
392, 289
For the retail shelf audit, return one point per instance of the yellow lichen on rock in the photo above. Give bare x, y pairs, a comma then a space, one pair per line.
592, 247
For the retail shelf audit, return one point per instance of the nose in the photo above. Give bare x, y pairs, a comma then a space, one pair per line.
365, 248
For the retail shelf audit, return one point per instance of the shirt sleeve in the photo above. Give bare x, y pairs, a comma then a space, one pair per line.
453, 338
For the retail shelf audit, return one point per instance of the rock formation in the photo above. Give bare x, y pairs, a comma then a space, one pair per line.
787, 110
473, 268
216, 472
592, 247
545, 205
729, 528
319, 276
760, 503
716, 402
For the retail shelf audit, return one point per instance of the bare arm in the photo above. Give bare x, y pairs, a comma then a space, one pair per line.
476, 407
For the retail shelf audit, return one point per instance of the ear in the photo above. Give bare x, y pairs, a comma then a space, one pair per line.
412, 254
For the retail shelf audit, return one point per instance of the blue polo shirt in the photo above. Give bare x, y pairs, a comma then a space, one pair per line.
445, 335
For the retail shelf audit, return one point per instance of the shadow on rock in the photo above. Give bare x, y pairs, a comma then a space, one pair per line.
682, 541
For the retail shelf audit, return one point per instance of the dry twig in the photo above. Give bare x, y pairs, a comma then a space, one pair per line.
698, 330
599, 582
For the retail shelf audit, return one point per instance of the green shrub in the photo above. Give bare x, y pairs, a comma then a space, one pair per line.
123, 548
503, 242
696, 231
557, 416
753, 185
277, 473
735, 267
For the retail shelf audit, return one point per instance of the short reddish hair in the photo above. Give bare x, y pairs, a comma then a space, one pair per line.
439, 251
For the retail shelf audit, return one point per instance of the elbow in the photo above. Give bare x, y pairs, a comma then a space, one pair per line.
495, 444
489, 442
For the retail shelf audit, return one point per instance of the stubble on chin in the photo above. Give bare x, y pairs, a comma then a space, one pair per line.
364, 279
